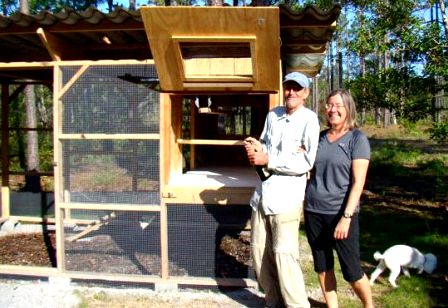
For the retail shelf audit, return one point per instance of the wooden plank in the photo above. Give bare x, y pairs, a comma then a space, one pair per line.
109, 136
275, 100
218, 86
218, 69
33, 219
110, 206
209, 142
176, 161
93, 227
193, 133
210, 195
51, 44
49, 64
58, 172
68, 85
5, 141
38, 271
214, 38
116, 277
164, 257
165, 138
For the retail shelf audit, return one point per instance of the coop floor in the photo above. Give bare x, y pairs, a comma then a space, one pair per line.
217, 177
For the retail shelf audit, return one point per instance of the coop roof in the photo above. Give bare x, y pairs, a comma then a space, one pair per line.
94, 35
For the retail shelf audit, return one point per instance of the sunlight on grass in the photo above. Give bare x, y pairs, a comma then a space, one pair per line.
412, 292
404, 131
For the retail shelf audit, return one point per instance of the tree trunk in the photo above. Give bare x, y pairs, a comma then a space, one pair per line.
32, 182
386, 61
444, 18
363, 74
440, 80
132, 4
216, 2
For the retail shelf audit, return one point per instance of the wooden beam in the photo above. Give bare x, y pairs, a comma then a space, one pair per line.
52, 44
33, 219
5, 202
72, 80
94, 227
111, 206
109, 136
164, 257
5, 135
210, 141
207, 195
37, 65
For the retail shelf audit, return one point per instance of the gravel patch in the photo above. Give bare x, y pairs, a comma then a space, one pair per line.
59, 293
36, 293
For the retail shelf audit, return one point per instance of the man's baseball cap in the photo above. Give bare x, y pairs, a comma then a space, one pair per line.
298, 78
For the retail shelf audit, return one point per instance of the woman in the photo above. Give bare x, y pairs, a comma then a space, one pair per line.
332, 199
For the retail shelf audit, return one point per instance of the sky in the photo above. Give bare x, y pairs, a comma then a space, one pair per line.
139, 3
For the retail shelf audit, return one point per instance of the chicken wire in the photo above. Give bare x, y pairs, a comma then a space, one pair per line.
197, 234
119, 242
102, 100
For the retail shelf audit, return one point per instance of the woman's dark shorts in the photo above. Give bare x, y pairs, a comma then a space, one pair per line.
319, 231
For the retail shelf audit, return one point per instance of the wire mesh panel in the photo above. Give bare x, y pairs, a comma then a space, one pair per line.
111, 171
109, 99
102, 103
32, 204
109, 157
122, 242
209, 241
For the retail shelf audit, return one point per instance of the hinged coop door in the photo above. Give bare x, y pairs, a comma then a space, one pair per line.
107, 171
215, 48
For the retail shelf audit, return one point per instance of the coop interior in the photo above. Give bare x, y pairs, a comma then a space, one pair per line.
207, 161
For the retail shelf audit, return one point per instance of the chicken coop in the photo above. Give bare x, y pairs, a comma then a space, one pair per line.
151, 183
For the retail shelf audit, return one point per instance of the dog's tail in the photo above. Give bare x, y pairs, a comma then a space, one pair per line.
378, 256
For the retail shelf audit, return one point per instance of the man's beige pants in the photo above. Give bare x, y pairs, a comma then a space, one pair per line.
275, 253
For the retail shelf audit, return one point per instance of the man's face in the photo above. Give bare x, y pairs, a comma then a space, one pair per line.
294, 95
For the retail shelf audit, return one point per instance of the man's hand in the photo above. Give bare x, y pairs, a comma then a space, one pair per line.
255, 152
252, 143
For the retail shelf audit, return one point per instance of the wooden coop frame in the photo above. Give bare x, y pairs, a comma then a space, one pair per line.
218, 53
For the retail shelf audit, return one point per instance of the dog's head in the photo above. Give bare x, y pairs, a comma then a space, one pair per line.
430, 263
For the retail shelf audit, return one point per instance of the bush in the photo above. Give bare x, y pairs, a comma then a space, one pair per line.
439, 131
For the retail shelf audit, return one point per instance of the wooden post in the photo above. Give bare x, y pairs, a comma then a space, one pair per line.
58, 158
5, 213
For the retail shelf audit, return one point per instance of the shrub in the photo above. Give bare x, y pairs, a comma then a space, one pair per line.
439, 131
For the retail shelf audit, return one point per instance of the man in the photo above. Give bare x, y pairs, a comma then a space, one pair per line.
283, 155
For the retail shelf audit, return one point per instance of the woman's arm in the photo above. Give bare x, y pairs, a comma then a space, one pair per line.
359, 173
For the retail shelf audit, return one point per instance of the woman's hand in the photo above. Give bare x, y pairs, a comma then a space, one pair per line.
341, 230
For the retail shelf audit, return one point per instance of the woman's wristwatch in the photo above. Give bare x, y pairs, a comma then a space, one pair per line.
347, 215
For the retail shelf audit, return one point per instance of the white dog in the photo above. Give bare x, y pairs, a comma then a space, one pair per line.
402, 257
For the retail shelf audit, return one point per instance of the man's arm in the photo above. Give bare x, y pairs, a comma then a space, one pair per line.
302, 159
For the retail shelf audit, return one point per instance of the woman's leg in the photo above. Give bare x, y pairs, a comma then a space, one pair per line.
362, 289
328, 285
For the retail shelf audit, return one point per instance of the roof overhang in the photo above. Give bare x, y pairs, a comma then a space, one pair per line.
91, 35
